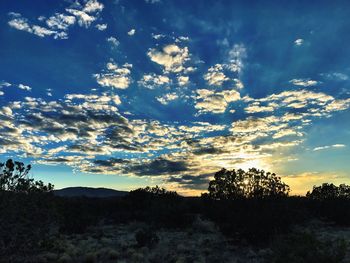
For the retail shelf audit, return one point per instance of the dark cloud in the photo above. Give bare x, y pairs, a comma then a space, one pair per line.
158, 166
192, 181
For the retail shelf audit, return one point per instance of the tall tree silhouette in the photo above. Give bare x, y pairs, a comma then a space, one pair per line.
254, 183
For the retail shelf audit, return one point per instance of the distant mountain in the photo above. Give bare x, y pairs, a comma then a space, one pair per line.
89, 192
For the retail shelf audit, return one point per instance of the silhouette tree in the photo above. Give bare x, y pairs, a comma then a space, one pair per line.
14, 178
153, 191
237, 184
329, 191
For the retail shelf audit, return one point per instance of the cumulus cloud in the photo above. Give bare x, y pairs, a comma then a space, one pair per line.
60, 21
152, 81
58, 24
215, 75
101, 27
165, 99
299, 42
171, 57
131, 32
24, 87
115, 76
22, 24
87, 14
215, 102
183, 80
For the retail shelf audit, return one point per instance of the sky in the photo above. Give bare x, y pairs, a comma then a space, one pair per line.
124, 94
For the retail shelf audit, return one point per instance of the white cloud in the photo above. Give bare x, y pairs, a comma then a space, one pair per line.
304, 82
115, 76
113, 41
60, 21
24, 87
215, 75
328, 147
183, 80
171, 57
132, 32
151, 81
165, 99
101, 27
93, 6
299, 42
83, 18
214, 102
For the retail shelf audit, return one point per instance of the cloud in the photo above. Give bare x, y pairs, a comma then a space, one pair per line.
152, 81
22, 24
165, 99
131, 32
183, 80
58, 24
113, 41
159, 166
24, 87
335, 76
299, 42
236, 55
101, 27
87, 14
214, 102
215, 76
60, 21
171, 57
115, 76
153, 1
329, 147
304, 82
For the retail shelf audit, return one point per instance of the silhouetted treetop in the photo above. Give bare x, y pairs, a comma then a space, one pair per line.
237, 184
14, 178
329, 191
153, 191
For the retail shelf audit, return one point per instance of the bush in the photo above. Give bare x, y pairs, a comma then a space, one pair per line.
306, 248
146, 238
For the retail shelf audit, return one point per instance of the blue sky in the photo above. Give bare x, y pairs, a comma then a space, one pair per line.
124, 94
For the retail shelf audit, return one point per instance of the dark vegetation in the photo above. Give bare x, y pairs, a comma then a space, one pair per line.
250, 207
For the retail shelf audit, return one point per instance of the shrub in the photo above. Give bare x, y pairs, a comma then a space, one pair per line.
146, 238
306, 248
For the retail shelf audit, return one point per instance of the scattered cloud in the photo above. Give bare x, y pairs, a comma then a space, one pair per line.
115, 76
165, 99
209, 101
24, 87
328, 147
299, 42
101, 27
215, 76
114, 42
131, 32
152, 81
58, 24
304, 82
171, 57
